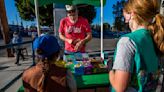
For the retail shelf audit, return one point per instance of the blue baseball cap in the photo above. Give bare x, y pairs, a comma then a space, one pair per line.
48, 44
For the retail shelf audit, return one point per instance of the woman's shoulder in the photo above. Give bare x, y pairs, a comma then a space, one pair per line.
125, 40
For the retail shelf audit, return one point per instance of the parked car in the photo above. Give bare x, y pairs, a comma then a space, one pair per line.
95, 34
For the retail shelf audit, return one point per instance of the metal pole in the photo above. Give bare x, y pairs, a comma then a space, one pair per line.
162, 12
37, 16
102, 55
17, 23
54, 13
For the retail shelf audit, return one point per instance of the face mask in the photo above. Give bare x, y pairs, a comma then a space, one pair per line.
127, 17
132, 24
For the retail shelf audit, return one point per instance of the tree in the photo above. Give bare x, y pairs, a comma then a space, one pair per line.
27, 12
106, 26
117, 11
87, 11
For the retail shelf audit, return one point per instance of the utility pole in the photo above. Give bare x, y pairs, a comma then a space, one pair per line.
17, 23
4, 27
37, 17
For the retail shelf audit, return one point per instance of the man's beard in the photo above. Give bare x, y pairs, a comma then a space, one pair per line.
73, 18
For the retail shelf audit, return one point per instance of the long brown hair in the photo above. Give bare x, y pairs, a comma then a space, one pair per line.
147, 13
47, 61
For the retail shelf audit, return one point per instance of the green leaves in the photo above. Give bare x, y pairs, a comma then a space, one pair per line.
27, 12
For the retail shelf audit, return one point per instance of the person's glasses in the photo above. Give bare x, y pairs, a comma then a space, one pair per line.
71, 11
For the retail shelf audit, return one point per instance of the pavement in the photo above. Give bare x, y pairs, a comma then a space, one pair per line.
10, 72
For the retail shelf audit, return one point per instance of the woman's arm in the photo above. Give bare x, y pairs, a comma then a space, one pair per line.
122, 67
119, 80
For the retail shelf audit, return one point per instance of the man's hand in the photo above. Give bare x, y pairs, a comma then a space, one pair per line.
79, 44
70, 41
75, 41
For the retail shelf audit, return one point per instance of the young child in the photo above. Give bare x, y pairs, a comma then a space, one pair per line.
47, 76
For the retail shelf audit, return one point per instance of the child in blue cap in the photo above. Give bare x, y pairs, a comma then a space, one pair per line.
47, 76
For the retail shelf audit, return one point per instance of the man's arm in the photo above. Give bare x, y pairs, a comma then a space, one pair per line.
61, 32
87, 38
63, 38
80, 43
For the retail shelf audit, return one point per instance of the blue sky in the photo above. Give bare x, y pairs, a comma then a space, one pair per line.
108, 16
13, 15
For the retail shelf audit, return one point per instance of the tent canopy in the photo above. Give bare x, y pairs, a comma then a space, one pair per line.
89, 2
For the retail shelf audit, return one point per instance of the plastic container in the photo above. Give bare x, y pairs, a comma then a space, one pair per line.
79, 70
88, 69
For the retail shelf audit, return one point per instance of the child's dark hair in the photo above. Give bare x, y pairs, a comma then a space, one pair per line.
46, 64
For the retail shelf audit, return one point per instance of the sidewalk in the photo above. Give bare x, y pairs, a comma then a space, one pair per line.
10, 72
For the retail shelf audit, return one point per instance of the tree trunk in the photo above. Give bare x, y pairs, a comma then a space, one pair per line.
4, 27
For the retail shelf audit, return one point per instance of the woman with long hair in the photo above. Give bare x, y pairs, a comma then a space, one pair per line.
136, 60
